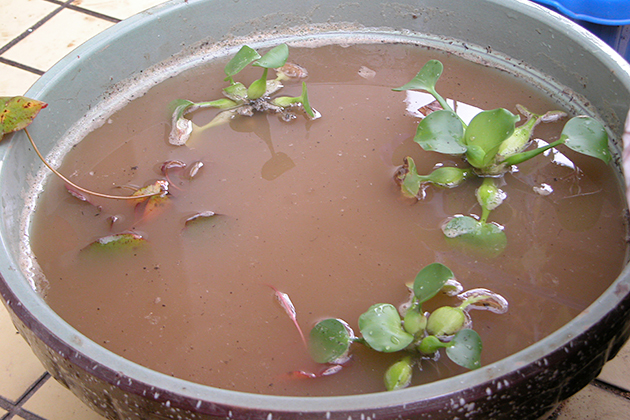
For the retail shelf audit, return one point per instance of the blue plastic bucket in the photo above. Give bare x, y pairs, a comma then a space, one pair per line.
608, 19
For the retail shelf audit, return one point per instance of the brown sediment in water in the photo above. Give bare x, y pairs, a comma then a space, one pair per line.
310, 208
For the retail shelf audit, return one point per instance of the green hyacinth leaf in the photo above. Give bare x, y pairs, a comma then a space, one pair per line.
242, 59
287, 101
305, 103
487, 239
329, 340
275, 58
587, 136
441, 131
381, 327
430, 280
426, 79
485, 133
258, 88
465, 349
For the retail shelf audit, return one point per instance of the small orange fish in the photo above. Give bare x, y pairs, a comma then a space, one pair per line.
288, 307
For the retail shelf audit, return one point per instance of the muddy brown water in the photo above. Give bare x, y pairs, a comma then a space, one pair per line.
310, 208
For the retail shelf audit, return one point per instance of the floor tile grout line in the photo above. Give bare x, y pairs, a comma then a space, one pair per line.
6, 405
605, 386
30, 30
15, 408
62, 5
27, 415
33, 388
68, 4
94, 14
21, 66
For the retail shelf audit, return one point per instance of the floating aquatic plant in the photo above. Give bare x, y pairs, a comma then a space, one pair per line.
246, 100
415, 334
491, 144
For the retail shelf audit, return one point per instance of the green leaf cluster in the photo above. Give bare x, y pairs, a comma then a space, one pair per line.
491, 144
240, 99
417, 335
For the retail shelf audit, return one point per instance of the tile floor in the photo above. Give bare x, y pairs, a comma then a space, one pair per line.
34, 34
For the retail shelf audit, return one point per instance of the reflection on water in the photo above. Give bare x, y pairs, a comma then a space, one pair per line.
280, 162
416, 101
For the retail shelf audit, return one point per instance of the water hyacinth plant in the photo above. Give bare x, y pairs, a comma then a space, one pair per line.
246, 100
492, 145
415, 334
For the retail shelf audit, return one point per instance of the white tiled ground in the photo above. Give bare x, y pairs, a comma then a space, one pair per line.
34, 34
35, 50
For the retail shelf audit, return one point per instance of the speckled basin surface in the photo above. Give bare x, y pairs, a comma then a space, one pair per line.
515, 35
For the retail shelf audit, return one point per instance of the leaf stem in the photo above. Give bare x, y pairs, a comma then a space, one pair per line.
73, 185
441, 100
360, 340
446, 106
522, 157
485, 211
